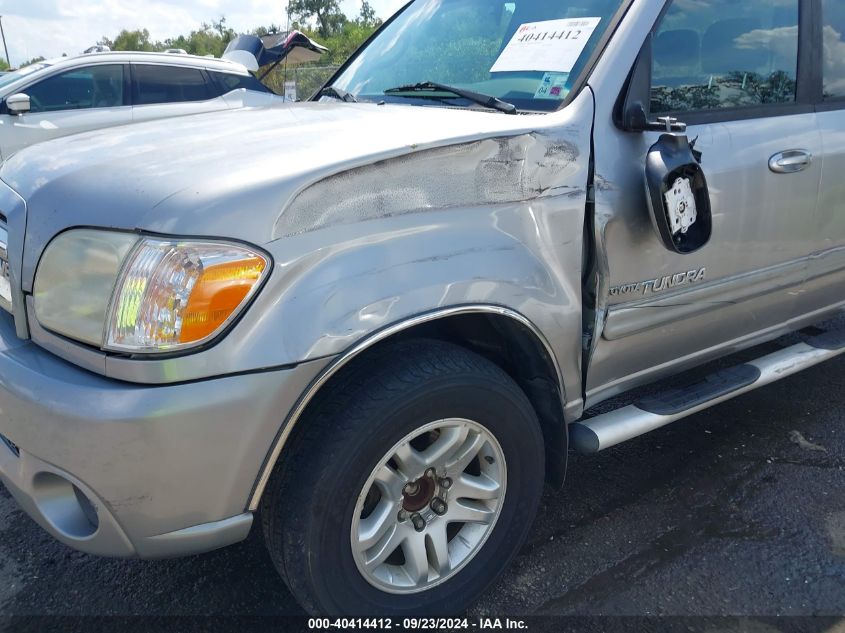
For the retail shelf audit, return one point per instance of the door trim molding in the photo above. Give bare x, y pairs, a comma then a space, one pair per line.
631, 318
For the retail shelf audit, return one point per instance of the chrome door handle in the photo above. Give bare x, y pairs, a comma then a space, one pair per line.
790, 161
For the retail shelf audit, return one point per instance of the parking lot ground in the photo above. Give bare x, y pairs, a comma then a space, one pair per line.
736, 511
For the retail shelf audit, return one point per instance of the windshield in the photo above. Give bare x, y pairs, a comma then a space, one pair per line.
527, 53
12, 77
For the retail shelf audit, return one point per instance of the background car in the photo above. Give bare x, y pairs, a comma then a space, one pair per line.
105, 89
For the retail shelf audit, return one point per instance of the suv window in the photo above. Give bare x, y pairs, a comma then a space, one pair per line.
228, 82
834, 48
169, 84
712, 54
82, 88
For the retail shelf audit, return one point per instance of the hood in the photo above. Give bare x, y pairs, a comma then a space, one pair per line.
224, 174
163, 175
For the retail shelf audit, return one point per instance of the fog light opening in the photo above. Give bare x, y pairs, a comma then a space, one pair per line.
68, 510
87, 507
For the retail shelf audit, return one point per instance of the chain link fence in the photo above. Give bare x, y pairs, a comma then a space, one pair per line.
307, 79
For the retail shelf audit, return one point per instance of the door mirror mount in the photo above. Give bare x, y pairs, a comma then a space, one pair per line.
18, 104
635, 108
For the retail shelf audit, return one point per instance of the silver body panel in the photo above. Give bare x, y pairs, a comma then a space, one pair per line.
229, 176
20, 131
380, 218
154, 461
766, 230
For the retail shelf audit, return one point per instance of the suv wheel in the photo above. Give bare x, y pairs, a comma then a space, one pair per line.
412, 485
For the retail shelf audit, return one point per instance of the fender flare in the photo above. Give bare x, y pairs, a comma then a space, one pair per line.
342, 360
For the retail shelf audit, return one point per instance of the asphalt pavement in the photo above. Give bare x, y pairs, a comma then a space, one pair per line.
737, 511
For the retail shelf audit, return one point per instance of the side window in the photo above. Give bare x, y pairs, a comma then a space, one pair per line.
83, 88
712, 54
230, 82
834, 49
169, 84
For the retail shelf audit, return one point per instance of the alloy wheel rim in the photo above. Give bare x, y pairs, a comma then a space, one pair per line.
428, 506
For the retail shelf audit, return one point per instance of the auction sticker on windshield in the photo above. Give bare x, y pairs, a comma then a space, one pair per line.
552, 46
552, 86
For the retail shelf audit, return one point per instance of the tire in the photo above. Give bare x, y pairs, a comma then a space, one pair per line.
320, 501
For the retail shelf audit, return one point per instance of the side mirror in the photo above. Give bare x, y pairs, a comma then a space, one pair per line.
677, 194
18, 104
635, 106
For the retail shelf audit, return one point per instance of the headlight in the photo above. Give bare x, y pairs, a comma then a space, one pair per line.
75, 281
132, 294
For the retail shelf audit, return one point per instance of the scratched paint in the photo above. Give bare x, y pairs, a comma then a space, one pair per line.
481, 173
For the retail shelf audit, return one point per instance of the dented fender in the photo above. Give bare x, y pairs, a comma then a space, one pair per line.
380, 214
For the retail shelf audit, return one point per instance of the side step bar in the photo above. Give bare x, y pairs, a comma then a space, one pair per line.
609, 429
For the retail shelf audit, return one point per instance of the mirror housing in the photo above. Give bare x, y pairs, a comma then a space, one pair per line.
18, 104
677, 195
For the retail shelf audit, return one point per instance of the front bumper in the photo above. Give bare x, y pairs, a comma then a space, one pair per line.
117, 469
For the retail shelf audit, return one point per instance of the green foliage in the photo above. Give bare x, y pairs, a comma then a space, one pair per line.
4, 65
326, 13
334, 30
34, 60
344, 41
368, 16
210, 39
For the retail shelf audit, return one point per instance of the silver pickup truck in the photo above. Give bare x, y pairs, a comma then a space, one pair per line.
375, 320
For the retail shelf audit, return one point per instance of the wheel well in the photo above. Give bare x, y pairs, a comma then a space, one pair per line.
521, 354
505, 340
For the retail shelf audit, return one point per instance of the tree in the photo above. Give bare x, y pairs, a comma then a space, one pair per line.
330, 19
368, 16
138, 40
4, 65
34, 60
261, 31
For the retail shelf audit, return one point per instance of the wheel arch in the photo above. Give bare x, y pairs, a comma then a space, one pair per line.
500, 334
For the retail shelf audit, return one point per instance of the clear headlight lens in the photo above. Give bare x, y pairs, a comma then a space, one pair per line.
75, 281
126, 293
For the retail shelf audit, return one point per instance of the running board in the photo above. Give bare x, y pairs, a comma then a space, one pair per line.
609, 429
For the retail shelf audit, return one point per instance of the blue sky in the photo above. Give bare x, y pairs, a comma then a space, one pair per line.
53, 27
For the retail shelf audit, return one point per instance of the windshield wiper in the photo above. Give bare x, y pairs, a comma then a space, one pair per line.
487, 101
337, 93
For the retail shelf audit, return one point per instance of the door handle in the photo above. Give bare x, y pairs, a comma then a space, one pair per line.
790, 161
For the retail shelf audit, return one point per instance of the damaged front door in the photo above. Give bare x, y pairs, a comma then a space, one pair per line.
693, 260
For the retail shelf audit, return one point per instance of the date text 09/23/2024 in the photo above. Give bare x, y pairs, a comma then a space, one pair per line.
417, 624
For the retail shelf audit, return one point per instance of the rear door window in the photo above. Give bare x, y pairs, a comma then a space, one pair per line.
715, 54
169, 84
79, 89
229, 82
834, 49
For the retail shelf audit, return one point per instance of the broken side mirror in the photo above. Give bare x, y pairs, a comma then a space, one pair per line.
677, 194
676, 188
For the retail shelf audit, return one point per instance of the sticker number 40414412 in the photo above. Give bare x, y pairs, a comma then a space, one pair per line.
549, 46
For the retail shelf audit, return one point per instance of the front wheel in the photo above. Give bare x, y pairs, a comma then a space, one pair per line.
412, 486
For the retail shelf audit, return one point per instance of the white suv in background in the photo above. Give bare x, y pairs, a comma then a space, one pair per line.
74, 94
